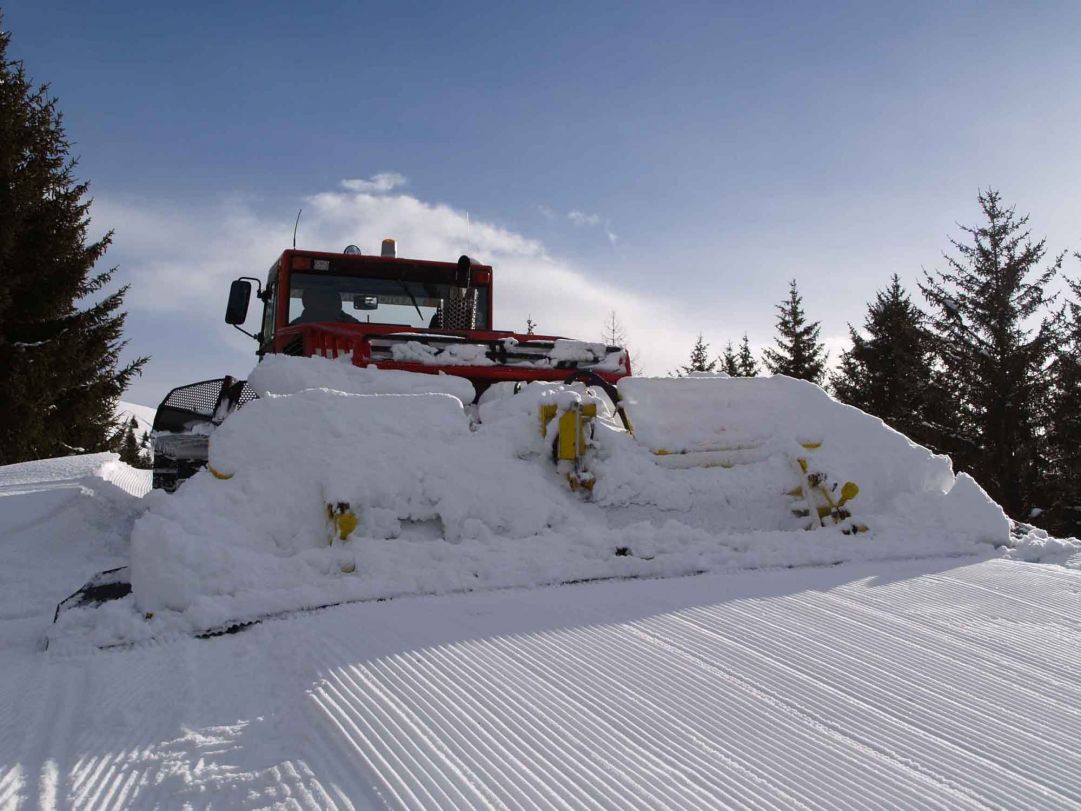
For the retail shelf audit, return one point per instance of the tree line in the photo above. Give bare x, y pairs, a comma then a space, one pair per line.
989, 373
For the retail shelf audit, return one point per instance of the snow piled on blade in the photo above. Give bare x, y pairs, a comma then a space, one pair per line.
282, 374
448, 497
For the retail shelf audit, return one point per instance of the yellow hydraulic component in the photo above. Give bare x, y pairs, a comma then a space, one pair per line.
572, 431
833, 508
217, 474
572, 440
548, 413
342, 520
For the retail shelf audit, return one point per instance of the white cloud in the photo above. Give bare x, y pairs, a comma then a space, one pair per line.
377, 184
583, 220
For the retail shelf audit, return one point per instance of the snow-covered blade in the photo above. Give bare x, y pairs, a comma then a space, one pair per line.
451, 350
343, 483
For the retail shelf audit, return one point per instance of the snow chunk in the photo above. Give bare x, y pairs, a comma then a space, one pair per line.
450, 355
282, 374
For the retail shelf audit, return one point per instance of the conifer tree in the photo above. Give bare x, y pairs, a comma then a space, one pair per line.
146, 451
60, 333
890, 373
129, 446
699, 360
1063, 458
746, 362
730, 361
996, 336
799, 352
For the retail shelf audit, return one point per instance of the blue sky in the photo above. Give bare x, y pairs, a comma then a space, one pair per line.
676, 163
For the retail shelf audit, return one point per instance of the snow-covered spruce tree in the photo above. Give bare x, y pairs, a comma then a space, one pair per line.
1063, 457
699, 360
996, 337
748, 367
59, 349
890, 371
730, 361
799, 352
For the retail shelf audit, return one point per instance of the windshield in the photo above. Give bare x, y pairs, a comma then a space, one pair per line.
352, 300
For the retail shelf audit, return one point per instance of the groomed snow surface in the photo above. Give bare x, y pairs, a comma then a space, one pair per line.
920, 664
930, 683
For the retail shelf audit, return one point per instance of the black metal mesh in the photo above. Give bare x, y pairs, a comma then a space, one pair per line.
247, 394
198, 398
202, 398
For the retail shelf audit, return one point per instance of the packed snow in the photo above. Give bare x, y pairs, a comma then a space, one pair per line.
897, 677
450, 497
924, 683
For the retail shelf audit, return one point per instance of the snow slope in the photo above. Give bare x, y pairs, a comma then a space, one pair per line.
927, 683
144, 415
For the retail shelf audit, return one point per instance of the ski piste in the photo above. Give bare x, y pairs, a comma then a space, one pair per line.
893, 674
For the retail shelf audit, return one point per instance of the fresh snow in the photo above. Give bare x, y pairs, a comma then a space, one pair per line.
929, 662
451, 498
927, 683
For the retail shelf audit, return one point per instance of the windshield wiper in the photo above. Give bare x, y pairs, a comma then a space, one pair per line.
412, 298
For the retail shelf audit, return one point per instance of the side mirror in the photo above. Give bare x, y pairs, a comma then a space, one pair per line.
236, 311
365, 302
464, 274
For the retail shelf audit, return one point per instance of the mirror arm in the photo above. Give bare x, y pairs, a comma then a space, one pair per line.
258, 285
249, 334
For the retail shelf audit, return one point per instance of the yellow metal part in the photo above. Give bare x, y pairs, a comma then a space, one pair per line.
572, 434
811, 446
572, 439
217, 474
833, 508
548, 413
342, 520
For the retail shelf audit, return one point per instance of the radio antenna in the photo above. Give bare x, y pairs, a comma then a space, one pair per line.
295, 226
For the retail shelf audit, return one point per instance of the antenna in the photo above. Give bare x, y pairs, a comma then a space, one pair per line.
295, 226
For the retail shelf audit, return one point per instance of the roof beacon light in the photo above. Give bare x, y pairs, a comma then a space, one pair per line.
390, 248
351, 250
